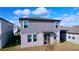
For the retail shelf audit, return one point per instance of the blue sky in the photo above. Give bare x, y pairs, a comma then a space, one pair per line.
68, 15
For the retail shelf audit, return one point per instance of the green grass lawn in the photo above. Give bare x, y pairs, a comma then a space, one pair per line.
66, 46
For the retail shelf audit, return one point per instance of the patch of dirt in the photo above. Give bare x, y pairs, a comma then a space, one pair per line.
66, 46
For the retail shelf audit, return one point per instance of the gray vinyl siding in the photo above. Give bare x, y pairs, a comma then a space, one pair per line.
39, 26
6, 32
39, 41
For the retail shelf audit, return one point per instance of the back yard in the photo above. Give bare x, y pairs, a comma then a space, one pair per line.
66, 46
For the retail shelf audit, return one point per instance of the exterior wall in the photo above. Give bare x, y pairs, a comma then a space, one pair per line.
76, 40
38, 27
52, 40
57, 32
58, 36
39, 41
6, 32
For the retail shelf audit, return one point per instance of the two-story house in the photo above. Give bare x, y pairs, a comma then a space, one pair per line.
39, 31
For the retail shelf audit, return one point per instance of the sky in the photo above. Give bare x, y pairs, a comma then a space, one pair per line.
69, 16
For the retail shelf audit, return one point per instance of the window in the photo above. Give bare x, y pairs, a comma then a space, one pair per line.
26, 23
57, 24
73, 37
29, 38
34, 37
69, 37
54, 37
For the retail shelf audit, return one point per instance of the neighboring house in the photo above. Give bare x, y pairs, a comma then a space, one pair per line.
39, 31
70, 34
6, 32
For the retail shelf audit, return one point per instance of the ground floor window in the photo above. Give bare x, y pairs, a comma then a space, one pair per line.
34, 37
69, 37
73, 38
54, 37
29, 38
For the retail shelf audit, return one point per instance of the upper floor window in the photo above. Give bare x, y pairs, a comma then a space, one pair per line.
26, 23
57, 24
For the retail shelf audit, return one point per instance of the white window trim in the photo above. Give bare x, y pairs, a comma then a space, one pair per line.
32, 38
27, 23
27, 38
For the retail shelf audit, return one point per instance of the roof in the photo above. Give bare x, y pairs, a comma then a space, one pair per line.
64, 28
73, 29
6, 21
39, 19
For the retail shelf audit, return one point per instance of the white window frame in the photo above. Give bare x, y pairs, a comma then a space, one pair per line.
25, 21
56, 24
31, 38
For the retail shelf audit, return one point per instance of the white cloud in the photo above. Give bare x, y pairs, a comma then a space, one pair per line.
75, 8
26, 12
22, 12
65, 15
17, 12
40, 10
68, 18
25, 16
78, 13
47, 16
63, 24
